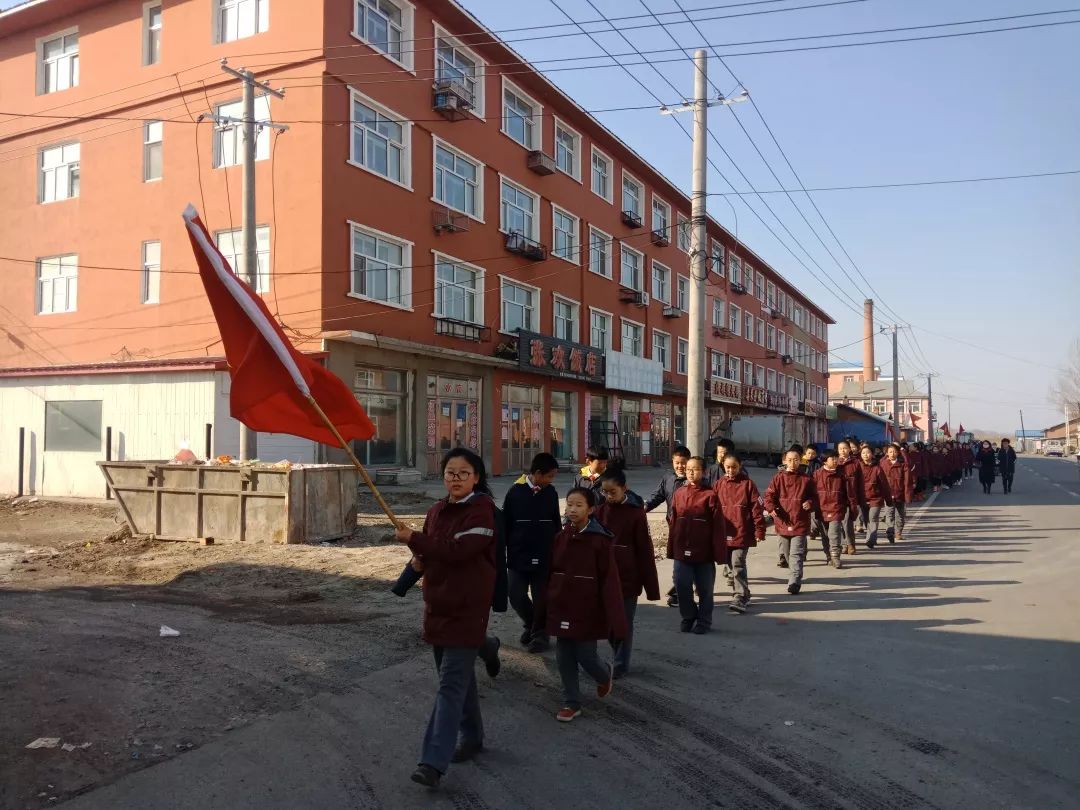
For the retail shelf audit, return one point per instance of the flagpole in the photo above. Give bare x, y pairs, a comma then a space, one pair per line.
356, 462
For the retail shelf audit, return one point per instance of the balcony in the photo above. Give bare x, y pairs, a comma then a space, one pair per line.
451, 99
672, 312
787, 359
522, 245
770, 354
738, 288
463, 330
443, 220
540, 163
776, 314
660, 237
631, 219
636, 297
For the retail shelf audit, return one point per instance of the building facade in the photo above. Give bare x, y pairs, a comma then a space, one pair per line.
849, 385
478, 257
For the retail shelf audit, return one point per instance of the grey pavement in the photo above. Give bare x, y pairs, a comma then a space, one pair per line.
940, 672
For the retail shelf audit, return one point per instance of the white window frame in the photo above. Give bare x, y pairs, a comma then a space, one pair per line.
535, 231
151, 275
578, 142
770, 379
262, 20
610, 195
437, 258
666, 362
408, 27
70, 280
479, 95
406, 280
720, 270
717, 364
505, 282
735, 316
770, 294
682, 355
653, 227
770, 337
236, 131
623, 250
734, 265
536, 141
719, 312
148, 145
73, 69
575, 307
665, 297
759, 332
405, 161
70, 168
148, 33
628, 178
610, 319
748, 328
575, 252
623, 322
682, 226
759, 376
682, 283
436, 144
238, 242
734, 368
608, 246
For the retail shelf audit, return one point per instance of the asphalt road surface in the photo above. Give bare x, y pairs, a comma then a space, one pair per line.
940, 672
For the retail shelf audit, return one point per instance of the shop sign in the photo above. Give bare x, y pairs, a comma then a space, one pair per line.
811, 408
753, 395
625, 372
724, 390
432, 425
543, 354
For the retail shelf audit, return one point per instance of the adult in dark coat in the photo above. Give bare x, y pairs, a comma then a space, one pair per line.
987, 461
1006, 459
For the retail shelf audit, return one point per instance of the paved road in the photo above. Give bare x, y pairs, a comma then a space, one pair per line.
937, 673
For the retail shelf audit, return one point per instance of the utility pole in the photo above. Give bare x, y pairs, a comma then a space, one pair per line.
249, 442
699, 249
1023, 433
930, 404
948, 398
895, 385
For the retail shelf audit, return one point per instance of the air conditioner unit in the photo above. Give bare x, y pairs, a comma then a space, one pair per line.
643, 299
788, 360
451, 99
672, 312
540, 163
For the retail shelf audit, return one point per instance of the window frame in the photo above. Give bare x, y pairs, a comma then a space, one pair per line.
406, 266
436, 144
670, 282
719, 305
627, 177
480, 95
406, 159
610, 317
71, 305
147, 145
505, 281
576, 251
734, 368
720, 268
623, 249
660, 201
239, 234
147, 32
610, 243
41, 170
578, 143
536, 143
219, 33
682, 226
237, 131
408, 34
680, 282
504, 180
437, 258
682, 356
735, 312
74, 72
623, 322
575, 306
147, 273
759, 332
666, 363
609, 197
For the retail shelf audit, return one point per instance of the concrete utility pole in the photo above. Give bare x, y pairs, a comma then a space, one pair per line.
1023, 433
930, 405
249, 441
895, 385
696, 432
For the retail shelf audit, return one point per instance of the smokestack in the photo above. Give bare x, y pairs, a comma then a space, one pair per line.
868, 341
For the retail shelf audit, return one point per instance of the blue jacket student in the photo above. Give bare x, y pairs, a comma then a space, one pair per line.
665, 491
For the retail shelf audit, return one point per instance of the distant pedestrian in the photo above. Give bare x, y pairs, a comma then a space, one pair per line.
1006, 457
898, 477
716, 471
832, 491
792, 499
696, 543
987, 460
744, 525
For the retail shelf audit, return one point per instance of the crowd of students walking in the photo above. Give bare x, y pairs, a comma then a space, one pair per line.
575, 576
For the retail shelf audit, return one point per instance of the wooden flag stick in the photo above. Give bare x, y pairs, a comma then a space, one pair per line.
356, 461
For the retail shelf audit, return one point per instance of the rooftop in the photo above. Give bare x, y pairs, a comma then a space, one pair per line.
879, 389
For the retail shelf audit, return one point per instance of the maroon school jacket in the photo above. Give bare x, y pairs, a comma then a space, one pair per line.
937, 465
744, 517
584, 595
832, 490
899, 478
917, 458
633, 546
458, 548
696, 533
852, 470
784, 498
875, 489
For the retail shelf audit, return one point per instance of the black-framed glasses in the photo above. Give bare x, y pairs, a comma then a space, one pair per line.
450, 475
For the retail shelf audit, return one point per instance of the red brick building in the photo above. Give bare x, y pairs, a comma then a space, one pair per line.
478, 256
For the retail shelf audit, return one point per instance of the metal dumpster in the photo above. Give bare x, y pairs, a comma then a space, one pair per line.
235, 503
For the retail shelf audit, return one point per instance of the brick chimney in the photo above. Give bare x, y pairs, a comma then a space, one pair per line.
868, 341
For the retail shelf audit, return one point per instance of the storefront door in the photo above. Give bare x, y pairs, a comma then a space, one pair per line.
630, 430
661, 432
381, 392
522, 429
453, 417
563, 443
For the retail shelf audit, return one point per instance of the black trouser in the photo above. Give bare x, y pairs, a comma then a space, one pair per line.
519, 584
1006, 480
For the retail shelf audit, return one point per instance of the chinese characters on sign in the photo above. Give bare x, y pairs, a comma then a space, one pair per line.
723, 390
559, 358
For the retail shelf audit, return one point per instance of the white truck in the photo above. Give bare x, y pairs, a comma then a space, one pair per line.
1053, 447
767, 437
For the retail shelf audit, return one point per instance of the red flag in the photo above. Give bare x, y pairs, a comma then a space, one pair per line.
914, 419
945, 430
271, 380
961, 428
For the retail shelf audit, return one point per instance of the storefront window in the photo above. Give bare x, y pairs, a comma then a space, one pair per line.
521, 426
563, 422
381, 392
453, 417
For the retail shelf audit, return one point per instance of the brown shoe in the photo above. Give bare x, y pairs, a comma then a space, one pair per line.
851, 550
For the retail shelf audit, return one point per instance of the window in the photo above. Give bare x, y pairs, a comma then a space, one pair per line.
771, 294
231, 245
519, 307
661, 218
631, 338
849, 378
748, 372
151, 272
152, 132
458, 181
915, 406
57, 284
683, 353
760, 332
601, 174
59, 179
759, 376
661, 348
567, 150
718, 313
521, 117
718, 258
151, 33
770, 379
380, 140
684, 234
735, 266
770, 337
518, 212
599, 330
781, 342
718, 365
58, 62
565, 244
780, 300
566, 320
385, 25
734, 364
632, 195
682, 293
381, 267
748, 278
229, 138
661, 283
73, 426
631, 270
457, 64
237, 19
599, 253
748, 326
759, 287
734, 320
459, 291
799, 317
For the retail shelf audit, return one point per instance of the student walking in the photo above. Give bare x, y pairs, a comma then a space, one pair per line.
531, 517
663, 494
696, 543
584, 601
458, 548
987, 461
898, 477
622, 512
875, 494
832, 491
716, 471
1006, 458
848, 463
792, 500
596, 461
744, 525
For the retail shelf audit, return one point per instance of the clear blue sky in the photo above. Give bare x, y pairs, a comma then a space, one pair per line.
993, 264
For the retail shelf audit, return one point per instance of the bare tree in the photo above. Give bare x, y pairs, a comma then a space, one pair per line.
1066, 391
